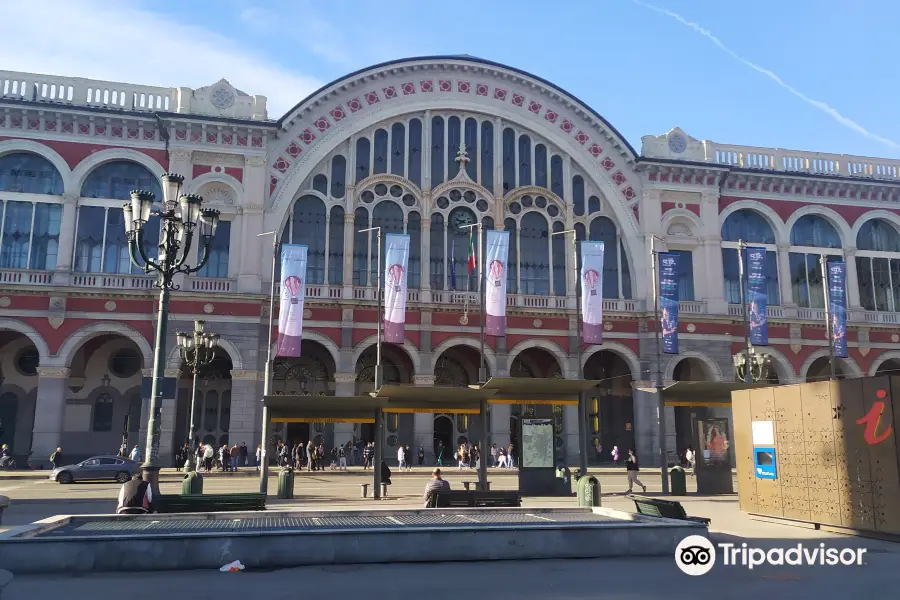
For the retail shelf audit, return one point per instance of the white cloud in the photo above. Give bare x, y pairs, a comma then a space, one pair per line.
824, 107
96, 39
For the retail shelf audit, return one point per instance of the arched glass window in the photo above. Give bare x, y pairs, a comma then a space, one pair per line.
509, 160
217, 265
540, 166
30, 235
454, 139
225, 411
336, 246
338, 176
380, 164
471, 137
752, 228
811, 231
211, 410
115, 252
749, 226
878, 266
414, 230
103, 413
398, 149
437, 151
457, 250
436, 259
389, 216
604, 230
559, 259
578, 195
512, 277
116, 179
307, 225
556, 176
360, 247
534, 259
29, 173
593, 205
320, 184
415, 152
524, 160
486, 224
487, 154
45, 236
626, 273
362, 159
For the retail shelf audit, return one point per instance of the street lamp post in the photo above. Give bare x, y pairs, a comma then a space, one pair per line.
379, 418
197, 349
747, 369
661, 402
751, 366
582, 405
180, 216
267, 383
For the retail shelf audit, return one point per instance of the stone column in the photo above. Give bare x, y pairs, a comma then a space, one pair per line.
784, 275
344, 385
425, 267
167, 427
66, 245
253, 251
571, 429
646, 423
423, 423
349, 220
49, 412
246, 408
853, 302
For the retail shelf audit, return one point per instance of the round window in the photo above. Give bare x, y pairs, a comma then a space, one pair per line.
455, 195
469, 196
442, 202
396, 191
409, 200
515, 208
526, 201
367, 196
541, 202
124, 363
27, 361
461, 440
552, 210
381, 189
481, 205
392, 440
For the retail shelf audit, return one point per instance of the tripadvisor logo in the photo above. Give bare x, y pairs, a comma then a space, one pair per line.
696, 555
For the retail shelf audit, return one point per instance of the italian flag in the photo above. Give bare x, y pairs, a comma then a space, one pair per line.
472, 264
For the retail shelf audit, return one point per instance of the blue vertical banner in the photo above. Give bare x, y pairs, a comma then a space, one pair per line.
756, 296
668, 300
837, 305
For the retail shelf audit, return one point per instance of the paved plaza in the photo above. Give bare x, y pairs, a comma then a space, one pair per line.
35, 498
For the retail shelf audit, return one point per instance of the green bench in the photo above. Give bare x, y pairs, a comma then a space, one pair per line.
472, 499
209, 503
668, 509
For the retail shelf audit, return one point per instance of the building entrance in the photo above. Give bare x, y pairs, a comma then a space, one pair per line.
443, 437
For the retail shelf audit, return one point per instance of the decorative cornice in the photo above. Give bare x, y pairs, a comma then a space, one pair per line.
255, 161
345, 377
54, 372
181, 153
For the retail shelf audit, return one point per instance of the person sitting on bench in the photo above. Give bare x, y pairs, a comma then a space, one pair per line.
135, 497
435, 485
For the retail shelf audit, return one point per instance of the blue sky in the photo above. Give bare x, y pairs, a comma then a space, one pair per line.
642, 69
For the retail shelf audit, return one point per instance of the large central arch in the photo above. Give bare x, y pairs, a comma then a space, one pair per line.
586, 144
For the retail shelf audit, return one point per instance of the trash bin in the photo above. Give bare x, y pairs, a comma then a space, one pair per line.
588, 491
192, 484
286, 484
678, 486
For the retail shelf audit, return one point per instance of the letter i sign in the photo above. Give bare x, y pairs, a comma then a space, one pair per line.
872, 420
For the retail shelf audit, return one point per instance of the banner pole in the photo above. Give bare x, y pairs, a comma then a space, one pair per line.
378, 373
661, 402
823, 263
264, 454
747, 374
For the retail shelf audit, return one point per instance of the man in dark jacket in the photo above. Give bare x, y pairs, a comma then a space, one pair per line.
135, 497
57, 458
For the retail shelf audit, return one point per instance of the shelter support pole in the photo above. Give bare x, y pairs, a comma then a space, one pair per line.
483, 450
379, 455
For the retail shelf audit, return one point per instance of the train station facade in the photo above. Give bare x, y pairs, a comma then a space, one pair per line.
379, 148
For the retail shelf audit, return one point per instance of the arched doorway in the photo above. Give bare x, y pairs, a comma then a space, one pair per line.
457, 366
889, 367
310, 374
444, 438
610, 405
397, 369
19, 359
537, 363
686, 417
820, 369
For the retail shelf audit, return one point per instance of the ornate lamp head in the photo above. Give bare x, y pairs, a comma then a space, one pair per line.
171, 185
141, 203
190, 210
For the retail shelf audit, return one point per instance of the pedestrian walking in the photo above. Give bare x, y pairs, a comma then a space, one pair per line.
135, 454
440, 454
342, 458
244, 454
615, 456
407, 457
401, 458
57, 458
494, 455
258, 456
632, 467
208, 455
511, 456
501, 458
421, 455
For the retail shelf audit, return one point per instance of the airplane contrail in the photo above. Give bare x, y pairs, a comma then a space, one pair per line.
824, 107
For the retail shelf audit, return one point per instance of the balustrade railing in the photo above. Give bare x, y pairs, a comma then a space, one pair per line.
110, 281
23, 277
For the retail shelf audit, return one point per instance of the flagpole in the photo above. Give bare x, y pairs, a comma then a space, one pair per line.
378, 377
264, 467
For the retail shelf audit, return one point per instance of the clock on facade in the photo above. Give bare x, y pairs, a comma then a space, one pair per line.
677, 143
461, 218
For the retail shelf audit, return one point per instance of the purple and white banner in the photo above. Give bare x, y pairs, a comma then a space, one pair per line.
396, 259
293, 292
592, 291
495, 257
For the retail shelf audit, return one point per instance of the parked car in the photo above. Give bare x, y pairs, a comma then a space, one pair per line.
97, 468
